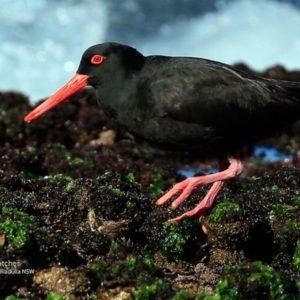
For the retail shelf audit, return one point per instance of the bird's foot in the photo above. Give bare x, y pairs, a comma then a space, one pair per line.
228, 170
185, 187
202, 208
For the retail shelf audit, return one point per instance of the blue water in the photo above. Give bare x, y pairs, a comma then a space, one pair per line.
190, 172
42, 41
266, 154
270, 154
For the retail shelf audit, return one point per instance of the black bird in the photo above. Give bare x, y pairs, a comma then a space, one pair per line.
184, 104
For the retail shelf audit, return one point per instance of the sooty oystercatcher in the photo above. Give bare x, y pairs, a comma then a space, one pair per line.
184, 104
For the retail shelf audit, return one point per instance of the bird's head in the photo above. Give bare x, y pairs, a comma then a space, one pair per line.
98, 64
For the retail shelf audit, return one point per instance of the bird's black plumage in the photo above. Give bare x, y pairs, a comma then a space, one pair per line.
189, 104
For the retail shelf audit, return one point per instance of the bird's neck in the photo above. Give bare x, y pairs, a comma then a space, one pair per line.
114, 98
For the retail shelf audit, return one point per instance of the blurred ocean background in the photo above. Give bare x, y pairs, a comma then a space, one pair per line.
42, 40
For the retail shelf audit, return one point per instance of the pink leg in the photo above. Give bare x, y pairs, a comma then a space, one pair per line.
228, 169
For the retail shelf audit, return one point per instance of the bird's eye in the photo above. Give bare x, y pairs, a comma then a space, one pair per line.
97, 59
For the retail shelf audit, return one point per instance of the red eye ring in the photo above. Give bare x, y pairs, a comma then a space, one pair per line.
97, 59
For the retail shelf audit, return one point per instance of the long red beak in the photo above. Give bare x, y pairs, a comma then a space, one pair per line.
78, 82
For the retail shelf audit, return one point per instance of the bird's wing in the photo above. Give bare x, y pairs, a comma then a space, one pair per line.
210, 93
200, 92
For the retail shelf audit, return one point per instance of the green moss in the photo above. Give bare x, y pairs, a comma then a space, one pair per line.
284, 212
144, 149
246, 184
30, 197
12, 297
104, 176
298, 285
16, 227
130, 177
177, 237
130, 206
274, 189
277, 190
156, 185
129, 265
268, 276
182, 295
68, 155
90, 164
114, 248
253, 178
222, 209
76, 161
65, 154
70, 184
116, 191
132, 267
282, 241
103, 180
296, 257
59, 177
292, 180
148, 260
152, 291
224, 291
53, 296
252, 281
296, 201
174, 241
292, 224
97, 269
60, 146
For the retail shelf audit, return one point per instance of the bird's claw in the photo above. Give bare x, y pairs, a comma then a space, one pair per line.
185, 187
